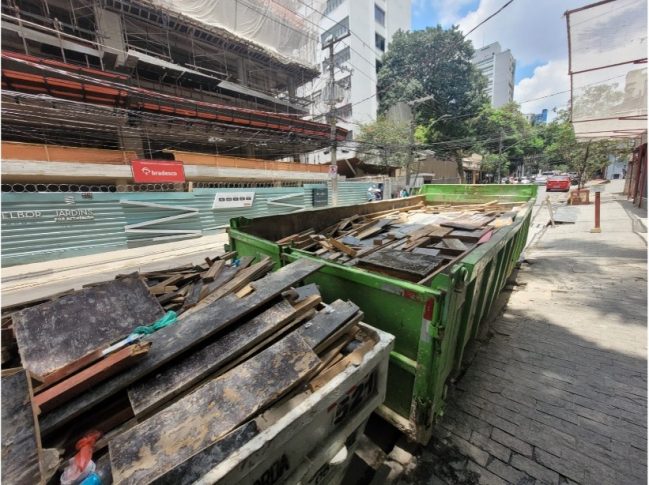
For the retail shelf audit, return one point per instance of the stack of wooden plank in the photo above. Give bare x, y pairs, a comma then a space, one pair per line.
174, 403
413, 243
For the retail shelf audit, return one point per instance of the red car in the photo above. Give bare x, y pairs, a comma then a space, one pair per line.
558, 182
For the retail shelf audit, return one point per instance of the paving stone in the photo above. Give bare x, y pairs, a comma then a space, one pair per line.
485, 476
503, 470
511, 442
472, 451
490, 446
574, 470
534, 469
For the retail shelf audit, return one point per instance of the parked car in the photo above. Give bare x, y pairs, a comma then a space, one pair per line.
540, 180
558, 182
574, 178
525, 180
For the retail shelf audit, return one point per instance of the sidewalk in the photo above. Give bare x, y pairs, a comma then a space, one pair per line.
37, 280
558, 394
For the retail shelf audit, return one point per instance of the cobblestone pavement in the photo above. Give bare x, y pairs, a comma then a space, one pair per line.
558, 394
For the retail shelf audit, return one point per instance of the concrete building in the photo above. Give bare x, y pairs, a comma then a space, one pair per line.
537, 118
498, 67
357, 59
148, 79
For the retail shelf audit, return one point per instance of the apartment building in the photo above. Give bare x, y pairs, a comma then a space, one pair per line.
357, 59
498, 67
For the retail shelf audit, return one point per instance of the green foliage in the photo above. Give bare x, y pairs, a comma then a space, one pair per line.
384, 142
585, 157
433, 62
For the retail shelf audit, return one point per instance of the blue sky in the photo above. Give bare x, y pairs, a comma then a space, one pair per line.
534, 30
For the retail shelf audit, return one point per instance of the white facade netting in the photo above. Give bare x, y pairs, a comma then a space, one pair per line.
608, 55
287, 28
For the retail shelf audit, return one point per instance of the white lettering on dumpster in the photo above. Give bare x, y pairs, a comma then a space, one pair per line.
72, 215
32, 214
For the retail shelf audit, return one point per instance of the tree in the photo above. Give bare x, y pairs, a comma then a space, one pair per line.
384, 142
434, 62
504, 136
585, 157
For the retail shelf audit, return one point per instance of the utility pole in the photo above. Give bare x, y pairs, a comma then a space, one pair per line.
500, 154
332, 112
411, 134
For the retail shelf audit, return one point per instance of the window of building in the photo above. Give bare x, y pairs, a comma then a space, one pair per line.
345, 83
337, 30
379, 65
379, 15
344, 112
379, 42
339, 57
331, 5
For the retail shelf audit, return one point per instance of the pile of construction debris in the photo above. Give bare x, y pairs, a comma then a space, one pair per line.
164, 396
413, 243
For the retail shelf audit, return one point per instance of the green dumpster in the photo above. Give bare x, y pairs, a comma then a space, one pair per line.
432, 323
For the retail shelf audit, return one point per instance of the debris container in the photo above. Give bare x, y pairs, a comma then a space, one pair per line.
432, 320
311, 437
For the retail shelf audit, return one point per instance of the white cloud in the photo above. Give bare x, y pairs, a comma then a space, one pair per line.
534, 30
546, 80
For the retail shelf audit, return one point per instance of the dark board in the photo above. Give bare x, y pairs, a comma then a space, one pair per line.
201, 463
20, 455
326, 322
175, 434
180, 374
176, 339
410, 266
53, 334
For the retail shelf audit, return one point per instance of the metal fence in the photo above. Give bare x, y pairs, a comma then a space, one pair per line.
41, 226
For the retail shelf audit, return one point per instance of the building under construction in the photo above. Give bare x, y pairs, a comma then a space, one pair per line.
89, 86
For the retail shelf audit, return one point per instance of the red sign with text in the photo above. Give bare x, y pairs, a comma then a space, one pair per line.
147, 171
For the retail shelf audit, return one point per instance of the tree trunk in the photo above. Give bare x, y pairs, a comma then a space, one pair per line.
584, 165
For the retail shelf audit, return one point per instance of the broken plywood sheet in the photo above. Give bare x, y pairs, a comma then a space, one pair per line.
180, 375
326, 323
201, 463
170, 342
59, 332
20, 437
172, 436
410, 266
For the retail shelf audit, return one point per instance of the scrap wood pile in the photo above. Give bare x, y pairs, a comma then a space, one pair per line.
166, 406
178, 289
413, 243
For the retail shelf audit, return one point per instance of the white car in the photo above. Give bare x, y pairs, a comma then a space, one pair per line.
525, 180
541, 179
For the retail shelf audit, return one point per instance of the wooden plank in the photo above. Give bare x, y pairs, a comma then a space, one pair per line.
374, 229
180, 375
326, 323
465, 226
159, 288
20, 438
70, 369
172, 436
201, 463
428, 251
455, 244
226, 256
242, 278
342, 247
90, 376
471, 236
409, 266
213, 272
54, 334
171, 341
